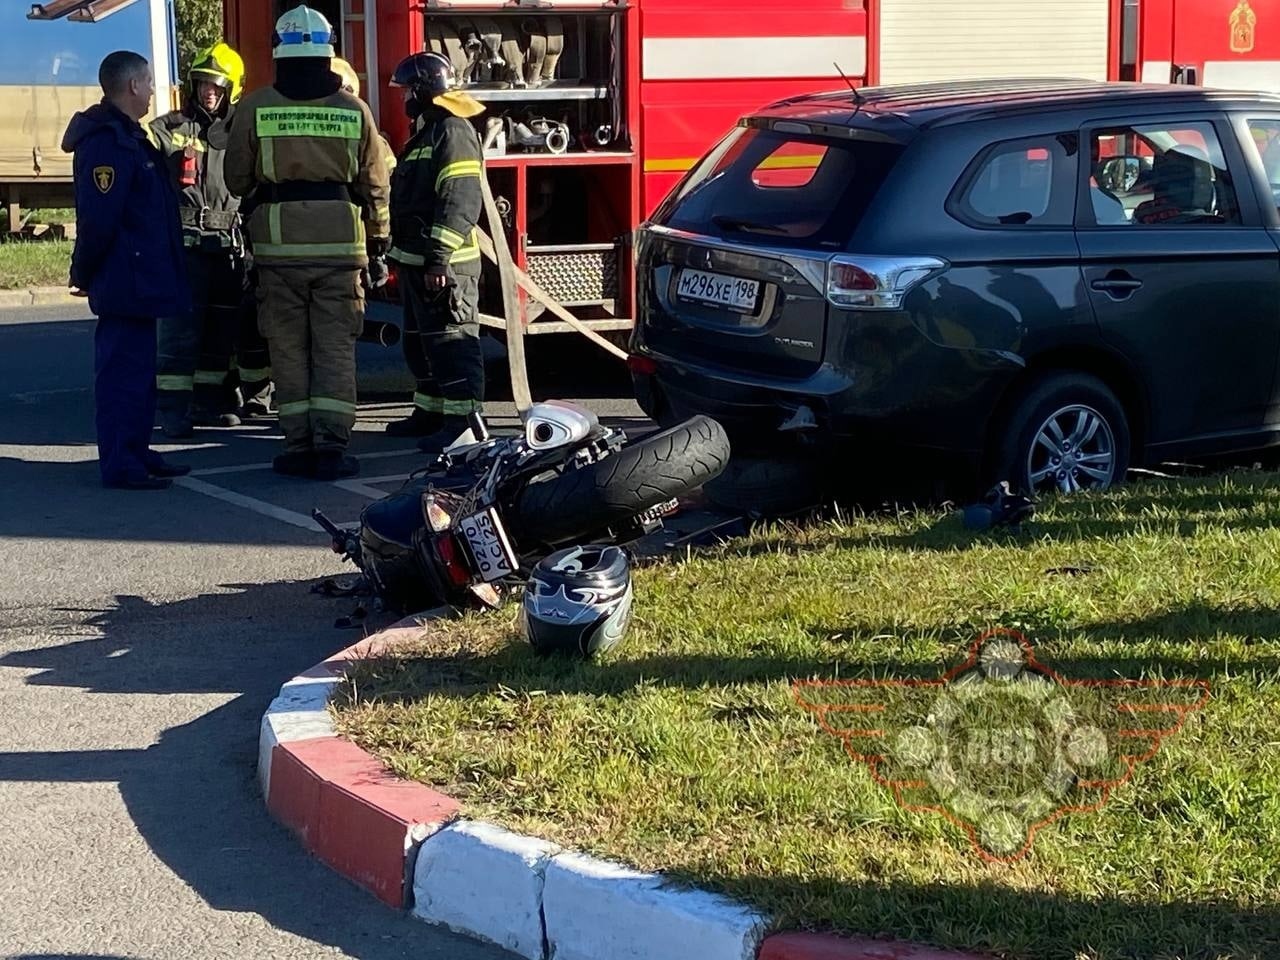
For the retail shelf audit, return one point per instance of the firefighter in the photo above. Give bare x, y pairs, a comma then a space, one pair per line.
435, 207
351, 83
195, 348
310, 155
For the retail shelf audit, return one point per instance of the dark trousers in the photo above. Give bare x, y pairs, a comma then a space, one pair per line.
442, 345
311, 317
124, 390
253, 358
195, 348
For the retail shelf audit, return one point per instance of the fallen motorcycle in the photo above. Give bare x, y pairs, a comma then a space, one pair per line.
467, 529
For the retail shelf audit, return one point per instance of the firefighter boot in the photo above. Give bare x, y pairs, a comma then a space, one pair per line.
452, 428
335, 465
296, 463
417, 424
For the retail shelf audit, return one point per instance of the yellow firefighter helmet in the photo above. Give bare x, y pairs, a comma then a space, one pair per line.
221, 65
347, 73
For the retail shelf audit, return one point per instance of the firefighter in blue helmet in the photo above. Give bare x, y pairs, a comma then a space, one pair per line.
128, 259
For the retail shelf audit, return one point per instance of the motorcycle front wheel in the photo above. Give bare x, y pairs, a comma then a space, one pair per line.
583, 501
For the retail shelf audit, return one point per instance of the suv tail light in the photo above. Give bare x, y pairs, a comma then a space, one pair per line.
877, 283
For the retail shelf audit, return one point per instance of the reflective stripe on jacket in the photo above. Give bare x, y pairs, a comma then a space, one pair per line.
192, 128
436, 198
332, 140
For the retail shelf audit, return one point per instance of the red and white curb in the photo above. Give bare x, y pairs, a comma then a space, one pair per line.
406, 844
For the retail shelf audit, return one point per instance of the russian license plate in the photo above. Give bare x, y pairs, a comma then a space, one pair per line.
489, 546
732, 293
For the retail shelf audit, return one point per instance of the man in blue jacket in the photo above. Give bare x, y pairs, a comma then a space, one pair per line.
128, 259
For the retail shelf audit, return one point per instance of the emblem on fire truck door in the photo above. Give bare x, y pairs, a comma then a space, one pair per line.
1243, 26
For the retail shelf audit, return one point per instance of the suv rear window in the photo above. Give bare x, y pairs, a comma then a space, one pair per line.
768, 187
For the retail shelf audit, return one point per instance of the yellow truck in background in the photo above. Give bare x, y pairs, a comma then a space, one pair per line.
49, 56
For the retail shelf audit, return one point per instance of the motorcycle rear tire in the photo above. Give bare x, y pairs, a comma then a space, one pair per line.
584, 501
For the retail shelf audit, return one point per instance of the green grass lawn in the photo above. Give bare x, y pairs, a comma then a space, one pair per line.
686, 750
34, 263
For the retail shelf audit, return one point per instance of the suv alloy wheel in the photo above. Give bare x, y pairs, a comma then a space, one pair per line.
1065, 432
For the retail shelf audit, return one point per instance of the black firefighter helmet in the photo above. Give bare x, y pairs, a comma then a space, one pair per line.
431, 80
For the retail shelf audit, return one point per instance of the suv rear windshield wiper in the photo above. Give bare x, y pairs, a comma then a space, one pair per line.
733, 223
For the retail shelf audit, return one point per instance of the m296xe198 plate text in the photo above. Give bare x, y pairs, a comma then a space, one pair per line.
734, 293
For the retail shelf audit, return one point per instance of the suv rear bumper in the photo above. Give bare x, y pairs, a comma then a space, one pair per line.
941, 399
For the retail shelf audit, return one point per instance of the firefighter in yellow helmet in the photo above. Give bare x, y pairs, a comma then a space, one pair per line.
194, 350
351, 83
310, 155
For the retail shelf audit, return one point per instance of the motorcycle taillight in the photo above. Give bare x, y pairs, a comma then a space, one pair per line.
454, 561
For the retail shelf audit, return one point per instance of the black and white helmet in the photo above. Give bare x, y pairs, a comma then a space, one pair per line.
578, 601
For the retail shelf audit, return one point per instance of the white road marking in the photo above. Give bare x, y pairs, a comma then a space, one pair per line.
249, 503
366, 488
250, 467
34, 396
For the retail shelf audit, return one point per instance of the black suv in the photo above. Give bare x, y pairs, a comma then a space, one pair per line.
1046, 279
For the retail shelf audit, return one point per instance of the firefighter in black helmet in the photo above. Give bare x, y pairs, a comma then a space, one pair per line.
435, 207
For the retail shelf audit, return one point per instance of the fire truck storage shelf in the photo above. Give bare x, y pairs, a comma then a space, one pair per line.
557, 145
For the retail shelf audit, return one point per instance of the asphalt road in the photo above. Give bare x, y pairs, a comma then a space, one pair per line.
141, 637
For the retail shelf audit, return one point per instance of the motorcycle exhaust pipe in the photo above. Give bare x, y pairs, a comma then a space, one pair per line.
381, 333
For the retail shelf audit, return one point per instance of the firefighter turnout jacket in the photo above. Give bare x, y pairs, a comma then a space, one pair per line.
195, 146
314, 175
436, 198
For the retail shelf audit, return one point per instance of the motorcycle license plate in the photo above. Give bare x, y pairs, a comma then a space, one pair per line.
490, 548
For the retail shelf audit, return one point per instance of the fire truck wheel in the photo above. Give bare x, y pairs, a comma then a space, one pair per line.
584, 501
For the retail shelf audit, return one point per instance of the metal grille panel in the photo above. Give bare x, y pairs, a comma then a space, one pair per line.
576, 275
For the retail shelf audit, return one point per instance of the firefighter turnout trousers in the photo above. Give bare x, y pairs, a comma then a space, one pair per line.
194, 349
253, 358
442, 344
311, 317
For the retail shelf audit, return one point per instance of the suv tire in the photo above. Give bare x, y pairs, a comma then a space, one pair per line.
1065, 408
758, 485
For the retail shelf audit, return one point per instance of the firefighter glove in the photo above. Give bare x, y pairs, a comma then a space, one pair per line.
376, 274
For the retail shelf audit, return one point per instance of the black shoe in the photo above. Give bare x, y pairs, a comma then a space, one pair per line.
450, 430
300, 463
417, 424
257, 409
139, 483
163, 469
334, 465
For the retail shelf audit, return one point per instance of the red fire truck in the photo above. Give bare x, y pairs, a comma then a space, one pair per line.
597, 107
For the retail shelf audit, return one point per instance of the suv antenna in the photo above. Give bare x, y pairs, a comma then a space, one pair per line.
857, 97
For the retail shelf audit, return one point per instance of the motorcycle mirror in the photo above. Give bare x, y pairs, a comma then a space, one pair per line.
465, 439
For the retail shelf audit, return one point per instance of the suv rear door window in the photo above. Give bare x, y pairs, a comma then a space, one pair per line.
1028, 182
768, 187
1265, 135
1162, 174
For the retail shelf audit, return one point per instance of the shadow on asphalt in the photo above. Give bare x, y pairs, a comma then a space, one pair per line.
193, 795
